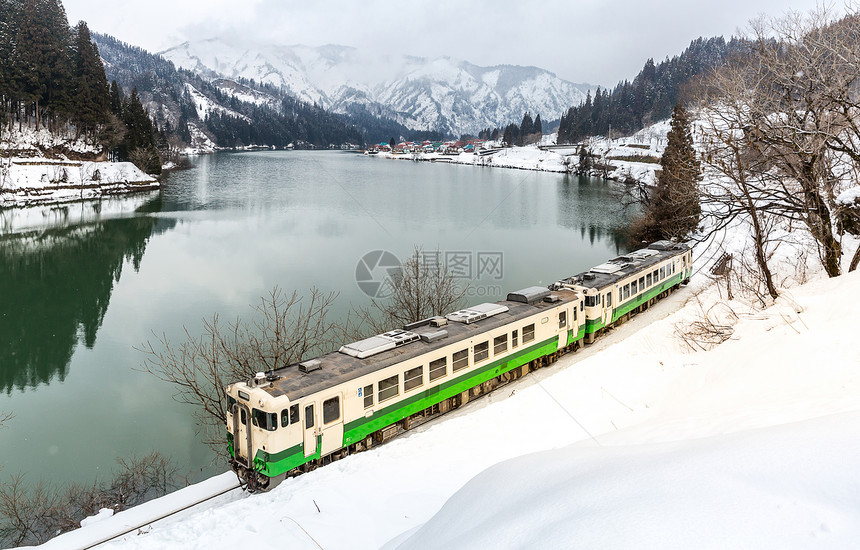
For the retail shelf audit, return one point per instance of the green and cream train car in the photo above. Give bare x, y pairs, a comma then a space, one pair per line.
629, 284
293, 419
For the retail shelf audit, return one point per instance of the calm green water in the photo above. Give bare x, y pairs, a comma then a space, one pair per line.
81, 285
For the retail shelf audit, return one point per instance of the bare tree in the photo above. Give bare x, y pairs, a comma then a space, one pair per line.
33, 514
285, 328
425, 287
787, 113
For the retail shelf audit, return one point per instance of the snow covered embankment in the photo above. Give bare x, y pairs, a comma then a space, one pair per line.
26, 181
753, 444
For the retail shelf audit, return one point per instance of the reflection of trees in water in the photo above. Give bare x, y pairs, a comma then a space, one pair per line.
586, 204
55, 291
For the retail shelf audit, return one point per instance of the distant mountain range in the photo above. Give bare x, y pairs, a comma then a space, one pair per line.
441, 94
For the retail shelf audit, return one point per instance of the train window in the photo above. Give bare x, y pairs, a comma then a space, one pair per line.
626, 292
438, 368
230, 403
641, 284
482, 351
309, 417
331, 410
262, 419
528, 333
648, 280
574, 313
413, 378
608, 303
590, 301
562, 319
244, 418
515, 334
388, 388
290, 416
662, 273
461, 360
633, 288
500, 344
581, 306
368, 396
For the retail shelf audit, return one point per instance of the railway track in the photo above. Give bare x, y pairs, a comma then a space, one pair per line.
139, 525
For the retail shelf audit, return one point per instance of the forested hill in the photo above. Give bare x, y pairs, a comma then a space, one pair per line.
650, 97
222, 113
50, 74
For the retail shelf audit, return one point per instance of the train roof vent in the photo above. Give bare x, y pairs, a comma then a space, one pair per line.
608, 268
662, 245
476, 313
529, 295
643, 254
310, 365
434, 336
377, 344
552, 299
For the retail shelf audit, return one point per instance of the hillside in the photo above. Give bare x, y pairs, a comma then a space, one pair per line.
443, 94
221, 113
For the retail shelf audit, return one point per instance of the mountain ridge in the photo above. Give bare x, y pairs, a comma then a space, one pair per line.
422, 93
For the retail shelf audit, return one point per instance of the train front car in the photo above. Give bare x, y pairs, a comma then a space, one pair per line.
305, 415
260, 419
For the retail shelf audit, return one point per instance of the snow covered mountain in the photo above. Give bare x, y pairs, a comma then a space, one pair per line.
422, 94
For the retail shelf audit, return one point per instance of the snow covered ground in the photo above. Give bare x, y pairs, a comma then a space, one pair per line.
25, 181
649, 142
634, 441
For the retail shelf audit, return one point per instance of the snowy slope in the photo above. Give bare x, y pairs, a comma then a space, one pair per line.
420, 93
641, 443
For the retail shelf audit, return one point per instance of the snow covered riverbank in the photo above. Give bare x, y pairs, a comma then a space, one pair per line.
620, 155
635, 441
37, 180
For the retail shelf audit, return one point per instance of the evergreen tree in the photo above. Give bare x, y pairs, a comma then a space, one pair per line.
139, 145
538, 126
115, 99
525, 129
674, 209
92, 97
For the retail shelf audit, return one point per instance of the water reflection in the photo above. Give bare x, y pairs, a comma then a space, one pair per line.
57, 281
591, 206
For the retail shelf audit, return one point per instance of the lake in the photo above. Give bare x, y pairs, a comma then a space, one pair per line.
84, 284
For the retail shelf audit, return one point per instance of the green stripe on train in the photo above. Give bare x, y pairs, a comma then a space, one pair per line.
274, 464
592, 326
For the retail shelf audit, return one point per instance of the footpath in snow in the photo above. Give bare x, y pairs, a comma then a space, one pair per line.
635, 441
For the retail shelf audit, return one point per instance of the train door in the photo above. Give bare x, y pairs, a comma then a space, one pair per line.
332, 424
310, 430
242, 433
564, 322
606, 301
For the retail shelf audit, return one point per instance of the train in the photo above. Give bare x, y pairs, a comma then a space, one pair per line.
291, 420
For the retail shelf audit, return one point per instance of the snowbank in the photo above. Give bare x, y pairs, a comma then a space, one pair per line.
641, 443
25, 181
523, 158
771, 488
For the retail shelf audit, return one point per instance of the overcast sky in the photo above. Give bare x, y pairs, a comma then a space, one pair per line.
595, 41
